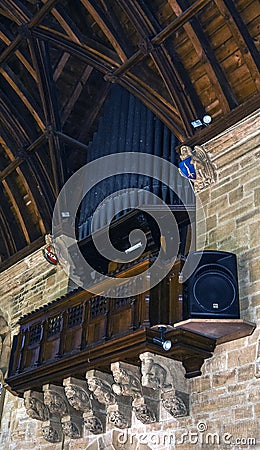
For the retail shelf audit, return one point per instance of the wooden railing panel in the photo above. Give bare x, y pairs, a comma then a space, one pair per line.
77, 321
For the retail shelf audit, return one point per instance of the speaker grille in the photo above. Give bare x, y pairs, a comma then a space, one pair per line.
214, 288
213, 268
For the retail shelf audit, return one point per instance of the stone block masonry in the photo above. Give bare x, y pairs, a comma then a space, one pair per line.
29, 284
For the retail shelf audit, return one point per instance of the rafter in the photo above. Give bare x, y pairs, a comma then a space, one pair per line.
203, 56
23, 94
42, 199
100, 57
163, 109
60, 66
5, 38
13, 122
18, 213
18, 160
42, 193
29, 24
109, 11
42, 65
17, 10
37, 180
75, 94
106, 27
14, 227
26, 184
72, 141
7, 233
155, 103
204, 50
242, 37
90, 118
149, 21
161, 59
160, 37
35, 170
12, 47
65, 22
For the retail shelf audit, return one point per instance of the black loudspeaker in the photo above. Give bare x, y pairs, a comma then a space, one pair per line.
212, 289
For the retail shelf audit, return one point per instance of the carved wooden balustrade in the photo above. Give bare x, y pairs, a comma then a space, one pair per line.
82, 331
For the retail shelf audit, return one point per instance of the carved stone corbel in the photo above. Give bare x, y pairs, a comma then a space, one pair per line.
100, 384
36, 408
118, 410
72, 426
81, 398
119, 415
52, 431
77, 393
127, 383
34, 405
175, 403
55, 400
127, 379
70, 419
166, 376
142, 412
93, 423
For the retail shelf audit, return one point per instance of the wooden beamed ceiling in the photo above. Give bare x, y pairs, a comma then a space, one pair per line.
183, 59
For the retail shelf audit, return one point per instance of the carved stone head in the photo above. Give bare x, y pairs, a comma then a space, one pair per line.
51, 433
77, 397
35, 407
55, 403
101, 390
93, 425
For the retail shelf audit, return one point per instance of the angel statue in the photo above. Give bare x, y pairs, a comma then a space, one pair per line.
196, 166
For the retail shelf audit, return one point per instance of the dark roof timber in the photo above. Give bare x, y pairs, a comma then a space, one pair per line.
183, 59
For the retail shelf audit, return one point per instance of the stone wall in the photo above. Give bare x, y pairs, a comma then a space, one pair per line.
29, 284
227, 395
225, 400
24, 287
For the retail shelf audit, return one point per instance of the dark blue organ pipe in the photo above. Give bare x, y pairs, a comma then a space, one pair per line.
127, 125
